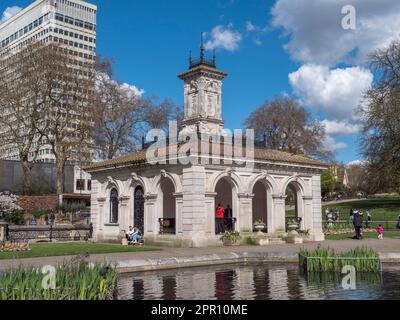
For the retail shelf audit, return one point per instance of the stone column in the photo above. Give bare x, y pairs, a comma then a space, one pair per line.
124, 214
210, 213
178, 213
151, 225
194, 207
316, 230
307, 222
245, 219
279, 223
98, 224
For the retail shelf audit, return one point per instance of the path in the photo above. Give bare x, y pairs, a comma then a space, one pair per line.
385, 246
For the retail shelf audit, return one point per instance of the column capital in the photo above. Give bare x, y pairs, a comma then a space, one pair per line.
245, 195
279, 197
102, 199
308, 197
211, 194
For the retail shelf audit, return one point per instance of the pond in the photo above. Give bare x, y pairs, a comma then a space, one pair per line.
256, 282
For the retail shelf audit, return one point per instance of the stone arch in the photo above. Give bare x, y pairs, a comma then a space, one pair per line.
227, 186
267, 180
231, 176
110, 184
174, 178
299, 187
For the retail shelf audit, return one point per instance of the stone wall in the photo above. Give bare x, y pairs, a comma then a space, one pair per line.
11, 176
45, 233
37, 203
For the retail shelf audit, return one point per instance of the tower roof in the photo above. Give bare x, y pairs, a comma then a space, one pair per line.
203, 59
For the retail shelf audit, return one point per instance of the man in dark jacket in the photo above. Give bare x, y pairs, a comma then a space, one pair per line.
358, 223
228, 218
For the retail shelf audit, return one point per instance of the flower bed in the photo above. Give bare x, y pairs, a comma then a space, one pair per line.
346, 231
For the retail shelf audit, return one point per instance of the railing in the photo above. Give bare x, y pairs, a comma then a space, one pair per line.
229, 224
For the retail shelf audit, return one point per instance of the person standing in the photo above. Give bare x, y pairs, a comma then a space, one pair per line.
358, 222
219, 219
46, 219
369, 219
380, 232
52, 218
229, 218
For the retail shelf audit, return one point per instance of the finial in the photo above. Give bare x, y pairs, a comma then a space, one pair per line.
202, 49
190, 57
214, 57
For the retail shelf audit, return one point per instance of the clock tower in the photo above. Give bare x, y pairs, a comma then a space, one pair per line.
203, 95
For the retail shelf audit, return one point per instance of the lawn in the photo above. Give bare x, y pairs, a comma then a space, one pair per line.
74, 248
381, 209
369, 235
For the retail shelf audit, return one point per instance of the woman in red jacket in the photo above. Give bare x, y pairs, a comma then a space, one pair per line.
219, 219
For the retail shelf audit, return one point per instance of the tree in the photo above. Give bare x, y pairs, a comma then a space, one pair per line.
380, 118
328, 182
67, 124
118, 112
23, 91
358, 181
287, 126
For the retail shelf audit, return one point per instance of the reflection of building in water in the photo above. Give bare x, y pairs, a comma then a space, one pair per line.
244, 284
278, 284
195, 286
152, 286
169, 288
261, 279
224, 284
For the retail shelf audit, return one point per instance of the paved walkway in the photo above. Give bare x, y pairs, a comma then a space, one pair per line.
387, 247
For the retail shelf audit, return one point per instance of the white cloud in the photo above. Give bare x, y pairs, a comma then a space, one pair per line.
335, 92
333, 127
250, 26
129, 89
315, 33
357, 162
9, 12
224, 38
332, 145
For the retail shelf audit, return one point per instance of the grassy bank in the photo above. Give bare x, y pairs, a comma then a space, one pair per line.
74, 281
328, 260
70, 249
381, 209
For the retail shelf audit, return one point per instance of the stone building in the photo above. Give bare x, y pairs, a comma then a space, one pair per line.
174, 203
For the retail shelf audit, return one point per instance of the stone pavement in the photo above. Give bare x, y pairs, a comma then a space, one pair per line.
190, 257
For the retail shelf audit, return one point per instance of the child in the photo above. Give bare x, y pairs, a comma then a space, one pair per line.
380, 232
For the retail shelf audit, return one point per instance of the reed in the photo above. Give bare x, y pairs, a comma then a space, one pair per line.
326, 259
78, 281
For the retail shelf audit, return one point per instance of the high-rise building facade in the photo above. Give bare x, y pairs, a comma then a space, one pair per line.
69, 23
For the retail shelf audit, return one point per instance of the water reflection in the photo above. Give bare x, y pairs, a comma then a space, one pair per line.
251, 282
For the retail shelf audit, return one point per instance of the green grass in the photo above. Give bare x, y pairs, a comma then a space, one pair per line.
381, 209
363, 259
75, 248
76, 280
369, 235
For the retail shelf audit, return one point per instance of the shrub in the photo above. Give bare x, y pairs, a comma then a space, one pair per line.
8, 204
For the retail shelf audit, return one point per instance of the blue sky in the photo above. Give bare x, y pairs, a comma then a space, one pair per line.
268, 47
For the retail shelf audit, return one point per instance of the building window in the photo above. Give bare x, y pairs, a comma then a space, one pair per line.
114, 206
80, 184
89, 185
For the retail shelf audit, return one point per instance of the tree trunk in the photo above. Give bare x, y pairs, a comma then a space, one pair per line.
27, 184
60, 177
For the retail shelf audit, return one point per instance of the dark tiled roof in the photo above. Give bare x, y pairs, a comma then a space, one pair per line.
139, 158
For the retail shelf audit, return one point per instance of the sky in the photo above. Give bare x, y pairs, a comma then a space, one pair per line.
313, 50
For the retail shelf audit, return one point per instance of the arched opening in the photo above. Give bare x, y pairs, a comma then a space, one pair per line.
138, 215
168, 207
114, 204
226, 197
260, 204
294, 208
